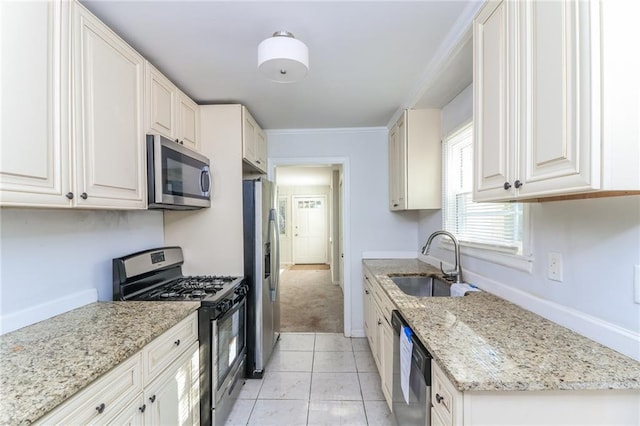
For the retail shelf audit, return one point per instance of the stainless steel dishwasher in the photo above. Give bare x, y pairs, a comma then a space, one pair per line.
417, 411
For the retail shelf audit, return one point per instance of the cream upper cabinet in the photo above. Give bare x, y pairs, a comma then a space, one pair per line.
169, 111
415, 161
110, 162
397, 166
34, 138
161, 95
188, 128
93, 159
254, 142
553, 106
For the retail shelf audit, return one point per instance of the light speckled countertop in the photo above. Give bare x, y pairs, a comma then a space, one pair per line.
483, 342
45, 363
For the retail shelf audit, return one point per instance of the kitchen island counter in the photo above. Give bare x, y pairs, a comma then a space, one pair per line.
485, 343
44, 364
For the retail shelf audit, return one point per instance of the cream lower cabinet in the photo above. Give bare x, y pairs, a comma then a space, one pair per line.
555, 99
137, 393
415, 161
169, 111
369, 311
377, 312
566, 407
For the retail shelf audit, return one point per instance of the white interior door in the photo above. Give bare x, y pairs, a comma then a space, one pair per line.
310, 229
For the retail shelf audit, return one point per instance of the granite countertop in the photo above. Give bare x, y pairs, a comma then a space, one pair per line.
485, 343
45, 363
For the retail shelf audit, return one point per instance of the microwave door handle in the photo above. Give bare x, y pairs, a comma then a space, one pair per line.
205, 180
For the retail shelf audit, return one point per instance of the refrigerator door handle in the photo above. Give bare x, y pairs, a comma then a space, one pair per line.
274, 238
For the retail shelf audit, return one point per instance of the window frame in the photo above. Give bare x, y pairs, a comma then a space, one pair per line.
493, 254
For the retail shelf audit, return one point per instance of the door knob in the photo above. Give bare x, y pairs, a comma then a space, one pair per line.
506, 186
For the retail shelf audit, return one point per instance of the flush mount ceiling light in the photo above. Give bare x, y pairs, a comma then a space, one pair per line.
283, 58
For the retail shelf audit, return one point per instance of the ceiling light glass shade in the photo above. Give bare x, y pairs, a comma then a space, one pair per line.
282, 58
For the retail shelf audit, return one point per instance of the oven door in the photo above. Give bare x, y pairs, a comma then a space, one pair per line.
229, 353
228, 333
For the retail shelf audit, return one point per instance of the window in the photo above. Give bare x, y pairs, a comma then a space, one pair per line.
496, 226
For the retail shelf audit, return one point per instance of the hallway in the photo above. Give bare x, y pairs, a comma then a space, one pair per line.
310, 302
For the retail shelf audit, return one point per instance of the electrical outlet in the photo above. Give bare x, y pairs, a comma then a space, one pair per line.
554, 268
636, 284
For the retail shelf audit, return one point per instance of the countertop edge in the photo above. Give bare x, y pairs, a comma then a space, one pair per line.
495, 385
35, 412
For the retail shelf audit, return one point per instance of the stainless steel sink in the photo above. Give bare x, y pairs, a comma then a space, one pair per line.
422, 286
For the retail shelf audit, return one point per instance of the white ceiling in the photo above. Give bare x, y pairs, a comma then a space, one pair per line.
368, 59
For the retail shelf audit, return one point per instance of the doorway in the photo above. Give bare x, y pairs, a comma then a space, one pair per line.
310, 228
309, 203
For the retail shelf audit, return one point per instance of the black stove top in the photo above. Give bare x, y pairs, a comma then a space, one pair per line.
157, 275
193, 288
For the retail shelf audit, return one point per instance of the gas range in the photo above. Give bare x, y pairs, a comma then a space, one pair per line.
206, 288
156, 275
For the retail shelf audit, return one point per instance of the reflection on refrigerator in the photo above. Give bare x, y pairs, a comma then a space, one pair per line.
261, 269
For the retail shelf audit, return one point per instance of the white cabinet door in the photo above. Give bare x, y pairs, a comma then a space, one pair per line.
254, 142
174, 397
543, 100
160, 103
555, 110
493, 150
109, 76
34, 141
415, 161
249, 127
188, 122
397, 176
386, 374
103, 400
261, 150
370, 318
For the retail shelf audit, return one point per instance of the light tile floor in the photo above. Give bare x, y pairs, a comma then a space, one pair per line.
315, 379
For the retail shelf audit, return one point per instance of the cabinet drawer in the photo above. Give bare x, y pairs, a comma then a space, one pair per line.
103, 400
165, 349
443, 396
436, 420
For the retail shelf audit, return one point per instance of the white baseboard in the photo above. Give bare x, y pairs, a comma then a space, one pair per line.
389, 255
43, 311
357, 333
613, 336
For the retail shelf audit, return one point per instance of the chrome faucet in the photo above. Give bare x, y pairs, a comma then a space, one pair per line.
457, 271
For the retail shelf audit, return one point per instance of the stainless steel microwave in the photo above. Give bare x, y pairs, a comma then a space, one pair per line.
177, 177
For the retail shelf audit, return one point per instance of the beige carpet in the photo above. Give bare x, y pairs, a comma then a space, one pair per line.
310, 302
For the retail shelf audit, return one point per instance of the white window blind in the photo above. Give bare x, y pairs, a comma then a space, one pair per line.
497, 226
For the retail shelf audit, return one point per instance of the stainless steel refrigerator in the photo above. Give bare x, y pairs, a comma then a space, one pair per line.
262, 271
